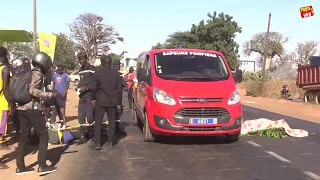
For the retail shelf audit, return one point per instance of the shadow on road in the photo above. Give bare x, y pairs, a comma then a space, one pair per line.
120, 134
190, 140
193, 140
54, 154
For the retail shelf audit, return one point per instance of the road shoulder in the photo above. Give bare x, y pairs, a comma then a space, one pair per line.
297, 110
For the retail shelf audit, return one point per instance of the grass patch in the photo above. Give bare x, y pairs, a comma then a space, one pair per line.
272, 132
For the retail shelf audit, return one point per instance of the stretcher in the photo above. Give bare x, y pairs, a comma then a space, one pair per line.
85, 125
67, 135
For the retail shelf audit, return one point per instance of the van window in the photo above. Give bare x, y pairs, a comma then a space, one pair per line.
190, 66
147, 65
147, 68
140, 62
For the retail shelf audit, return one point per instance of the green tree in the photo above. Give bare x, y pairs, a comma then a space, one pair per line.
114, 56
65, 52
217, 33
275, 45
91, 34
20, 50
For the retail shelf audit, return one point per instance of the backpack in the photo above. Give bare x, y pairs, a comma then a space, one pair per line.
20, 88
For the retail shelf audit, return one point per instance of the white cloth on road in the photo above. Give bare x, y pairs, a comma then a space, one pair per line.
262, 123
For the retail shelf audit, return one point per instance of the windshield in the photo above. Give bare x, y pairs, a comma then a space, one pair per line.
190, 66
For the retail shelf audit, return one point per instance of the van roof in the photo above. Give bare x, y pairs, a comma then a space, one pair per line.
181, 49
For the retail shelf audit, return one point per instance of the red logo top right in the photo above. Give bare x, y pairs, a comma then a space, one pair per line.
306, 11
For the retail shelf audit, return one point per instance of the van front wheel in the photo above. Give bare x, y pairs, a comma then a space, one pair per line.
233, 137
148, 136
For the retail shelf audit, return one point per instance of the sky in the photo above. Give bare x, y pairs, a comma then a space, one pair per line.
143, 23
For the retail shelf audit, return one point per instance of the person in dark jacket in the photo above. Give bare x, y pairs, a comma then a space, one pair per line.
106, 95
30, 115
85, 107
26, 63
116, 66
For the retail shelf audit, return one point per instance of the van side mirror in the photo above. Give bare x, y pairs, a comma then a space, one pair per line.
237, 76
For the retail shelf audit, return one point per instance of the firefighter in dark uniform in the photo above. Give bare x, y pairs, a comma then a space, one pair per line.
107, 97
85, 107
116, 66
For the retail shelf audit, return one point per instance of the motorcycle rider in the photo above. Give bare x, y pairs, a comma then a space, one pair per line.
30, 115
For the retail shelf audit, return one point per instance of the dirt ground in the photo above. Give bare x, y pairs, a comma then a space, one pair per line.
301, 110
298, 110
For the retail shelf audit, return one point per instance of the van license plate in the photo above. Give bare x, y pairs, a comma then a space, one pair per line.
203, 121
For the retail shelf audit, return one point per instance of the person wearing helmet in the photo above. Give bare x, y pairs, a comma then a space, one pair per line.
106, 95
30, 115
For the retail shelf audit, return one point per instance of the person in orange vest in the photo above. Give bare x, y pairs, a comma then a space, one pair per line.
130, 84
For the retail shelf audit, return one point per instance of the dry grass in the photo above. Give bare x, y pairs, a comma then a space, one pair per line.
270, 89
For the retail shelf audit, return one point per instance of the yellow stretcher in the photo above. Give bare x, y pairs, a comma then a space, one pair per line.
60, 131
86, 125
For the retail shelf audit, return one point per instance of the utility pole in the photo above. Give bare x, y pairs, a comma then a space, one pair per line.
266, 45
34, 26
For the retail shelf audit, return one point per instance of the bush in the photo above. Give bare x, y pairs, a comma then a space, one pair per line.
271, 89
255, 76
254, 88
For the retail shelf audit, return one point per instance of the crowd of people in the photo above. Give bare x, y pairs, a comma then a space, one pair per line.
30, 90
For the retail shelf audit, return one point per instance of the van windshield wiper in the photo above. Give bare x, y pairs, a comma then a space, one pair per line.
198, 78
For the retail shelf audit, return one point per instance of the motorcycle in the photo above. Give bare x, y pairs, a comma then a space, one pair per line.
284, 93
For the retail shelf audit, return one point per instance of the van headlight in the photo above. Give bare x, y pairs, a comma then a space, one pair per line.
162, 97
234, 98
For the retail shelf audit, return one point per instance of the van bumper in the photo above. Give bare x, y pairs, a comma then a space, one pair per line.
164, 124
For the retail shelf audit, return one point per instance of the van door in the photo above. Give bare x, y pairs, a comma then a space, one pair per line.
146, 85
139, 96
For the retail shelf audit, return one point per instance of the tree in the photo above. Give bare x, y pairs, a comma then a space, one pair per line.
20, 50
114, 56
65, 52
158, 46
90, 34
217, 33
305, 50
257, 42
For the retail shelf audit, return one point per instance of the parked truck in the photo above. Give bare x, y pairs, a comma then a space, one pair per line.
309, 79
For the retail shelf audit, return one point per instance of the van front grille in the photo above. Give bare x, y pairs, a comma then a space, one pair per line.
202, 112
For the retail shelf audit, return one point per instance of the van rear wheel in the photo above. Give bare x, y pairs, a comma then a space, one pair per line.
148, 136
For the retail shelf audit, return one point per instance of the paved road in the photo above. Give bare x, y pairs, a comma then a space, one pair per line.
252, 158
